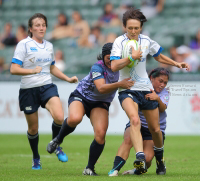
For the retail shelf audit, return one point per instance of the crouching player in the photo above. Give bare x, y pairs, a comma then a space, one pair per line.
159, 78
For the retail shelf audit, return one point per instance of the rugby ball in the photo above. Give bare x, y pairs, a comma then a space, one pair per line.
128, 51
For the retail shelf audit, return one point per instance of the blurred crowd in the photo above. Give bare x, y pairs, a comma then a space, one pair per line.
92, 36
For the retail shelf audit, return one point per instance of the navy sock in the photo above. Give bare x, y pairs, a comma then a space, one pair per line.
64, 131
55, 129
159, 153
140, 155
94, 153
33, 141
118, 163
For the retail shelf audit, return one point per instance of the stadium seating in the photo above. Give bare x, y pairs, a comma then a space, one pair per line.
178, 22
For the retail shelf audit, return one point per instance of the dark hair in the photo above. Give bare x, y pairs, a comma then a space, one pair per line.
23, 27
159, 71
30, 21
133, 14
99, 56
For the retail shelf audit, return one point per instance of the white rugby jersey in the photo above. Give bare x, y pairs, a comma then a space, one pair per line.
30, 54
138, 73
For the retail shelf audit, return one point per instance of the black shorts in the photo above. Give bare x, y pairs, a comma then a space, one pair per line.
31, 99
139, 98
146, 135
88, 104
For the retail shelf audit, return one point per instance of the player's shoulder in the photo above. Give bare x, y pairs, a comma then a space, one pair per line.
24, 41
121, 38
165, 91
144, 37
48, 43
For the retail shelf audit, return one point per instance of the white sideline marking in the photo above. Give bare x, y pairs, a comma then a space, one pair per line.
23, 155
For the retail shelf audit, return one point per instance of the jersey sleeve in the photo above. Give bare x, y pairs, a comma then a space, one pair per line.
97, 72
116, 51
155, 48
19, 54
53, 57
165, 98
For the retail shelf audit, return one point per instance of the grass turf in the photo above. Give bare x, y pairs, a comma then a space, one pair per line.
182, 158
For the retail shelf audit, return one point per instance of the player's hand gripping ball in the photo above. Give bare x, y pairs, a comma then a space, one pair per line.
127, 52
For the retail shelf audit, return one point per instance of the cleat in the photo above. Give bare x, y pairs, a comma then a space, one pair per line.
161, 169
51, 147
113, 173
140, 166
61, 155
36, 165
88, 171
129, 172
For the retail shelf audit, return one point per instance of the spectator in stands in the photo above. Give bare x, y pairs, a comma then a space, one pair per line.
60, 63
61, 30
124, 6
151, 8
3, 67
195, 44
187, 56
80, 29
109, 18
111, 37
62, 20
96, 38
7, 38
21, 32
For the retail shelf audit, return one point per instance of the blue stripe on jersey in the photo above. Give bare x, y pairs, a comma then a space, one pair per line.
19, 62
159, 51
114, 58
97, 68
53, 63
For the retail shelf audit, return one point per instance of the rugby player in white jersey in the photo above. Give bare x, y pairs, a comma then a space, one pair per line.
159, 78
134, 98
34, 60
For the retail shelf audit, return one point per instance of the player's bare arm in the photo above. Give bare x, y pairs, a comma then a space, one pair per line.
15, 69
104, 88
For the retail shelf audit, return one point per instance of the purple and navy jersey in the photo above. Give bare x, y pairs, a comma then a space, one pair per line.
164, 97
87, 88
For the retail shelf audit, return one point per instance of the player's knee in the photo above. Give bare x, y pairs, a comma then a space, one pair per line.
155, 130
59, 118
74, 120
127, 141
33, 130
135, 121
100, 135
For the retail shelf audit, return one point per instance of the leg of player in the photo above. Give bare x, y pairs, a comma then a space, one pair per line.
131, 109
122, 154
99, 121
152, 118
148, 151
54, 106
33, 137
76, 112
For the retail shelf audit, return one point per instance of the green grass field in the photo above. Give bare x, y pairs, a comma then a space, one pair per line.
182, 156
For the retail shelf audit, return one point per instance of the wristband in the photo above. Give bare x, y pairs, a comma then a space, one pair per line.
130, 58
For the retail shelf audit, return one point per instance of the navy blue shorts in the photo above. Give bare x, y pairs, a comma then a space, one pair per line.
146, 135
31, 99
139, 98
88, 104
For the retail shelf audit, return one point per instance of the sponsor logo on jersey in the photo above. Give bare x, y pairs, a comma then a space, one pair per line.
32, 59
130, 95
77, 98
166, 98
95, 74
49, 50
33, 49
29, 108
144, 47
